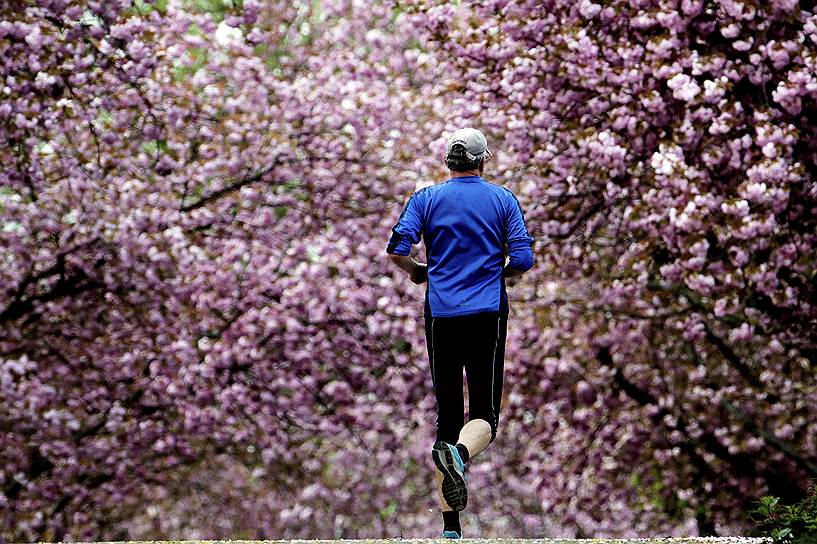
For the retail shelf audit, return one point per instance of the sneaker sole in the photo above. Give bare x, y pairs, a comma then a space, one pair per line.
454, 491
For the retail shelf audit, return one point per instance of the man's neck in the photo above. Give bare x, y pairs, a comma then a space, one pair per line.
468, 174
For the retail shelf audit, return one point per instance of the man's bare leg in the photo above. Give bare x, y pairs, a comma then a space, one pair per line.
475, 436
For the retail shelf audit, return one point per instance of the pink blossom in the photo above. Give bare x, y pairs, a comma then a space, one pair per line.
588, 9
683, 87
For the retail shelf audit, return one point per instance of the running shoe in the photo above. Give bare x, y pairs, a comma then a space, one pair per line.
451, 534
450, 464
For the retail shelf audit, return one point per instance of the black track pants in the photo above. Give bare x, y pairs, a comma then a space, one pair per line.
476, 342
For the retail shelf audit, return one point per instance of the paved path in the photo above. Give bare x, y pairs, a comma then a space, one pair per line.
687, 540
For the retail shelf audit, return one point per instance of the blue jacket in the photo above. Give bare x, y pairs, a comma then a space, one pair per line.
465, 223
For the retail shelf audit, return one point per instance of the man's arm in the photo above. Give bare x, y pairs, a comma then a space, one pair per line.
405, 234
507, 271
405, 262
417, 271
519, 242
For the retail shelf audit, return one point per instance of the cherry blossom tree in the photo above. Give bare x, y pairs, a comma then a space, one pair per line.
194, 331
665, 154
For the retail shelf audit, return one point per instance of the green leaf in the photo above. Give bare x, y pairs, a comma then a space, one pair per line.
217, 8
779, 534
153, 146
197, 59
401, 345
388, 511
143, 8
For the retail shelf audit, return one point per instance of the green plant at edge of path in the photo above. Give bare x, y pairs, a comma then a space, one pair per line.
787, 524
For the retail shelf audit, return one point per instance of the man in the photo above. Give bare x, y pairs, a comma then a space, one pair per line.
469, 227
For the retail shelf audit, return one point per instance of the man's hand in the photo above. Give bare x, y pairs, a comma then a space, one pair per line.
419, 274
417, 271
509, 272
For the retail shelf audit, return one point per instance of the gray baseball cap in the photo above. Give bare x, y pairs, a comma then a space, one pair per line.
474, 141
